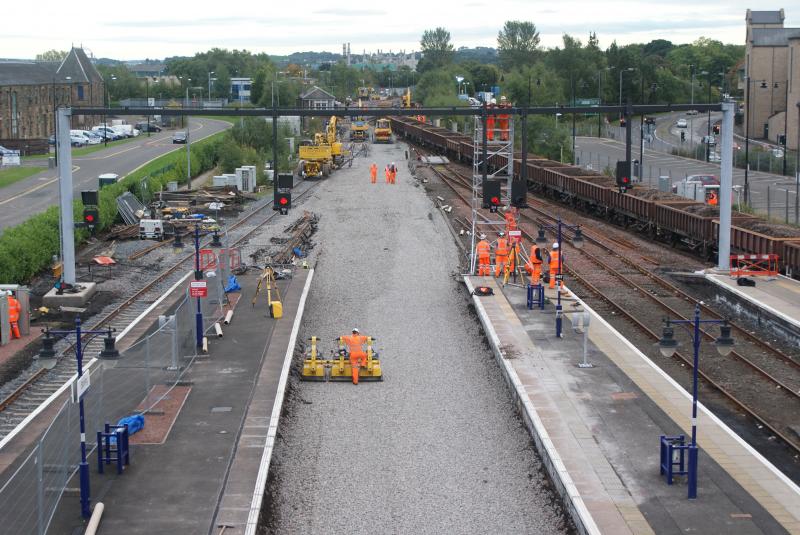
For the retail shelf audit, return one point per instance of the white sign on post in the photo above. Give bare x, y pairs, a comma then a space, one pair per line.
80, 387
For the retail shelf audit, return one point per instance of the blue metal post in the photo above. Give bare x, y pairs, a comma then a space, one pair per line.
558, 283
197, 276
692, 476
86, 510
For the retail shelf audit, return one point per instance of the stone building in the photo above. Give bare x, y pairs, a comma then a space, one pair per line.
31, 91
772, 72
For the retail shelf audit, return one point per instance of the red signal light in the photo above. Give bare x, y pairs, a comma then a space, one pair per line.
495, 200
89, 218
283, 200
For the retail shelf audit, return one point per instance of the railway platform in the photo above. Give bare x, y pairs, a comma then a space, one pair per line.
773, 302
203, 466
598, 430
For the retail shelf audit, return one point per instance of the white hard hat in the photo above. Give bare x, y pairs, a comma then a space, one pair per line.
356, 330
483, 236
501, 233
555, 245
493, 101
503, 98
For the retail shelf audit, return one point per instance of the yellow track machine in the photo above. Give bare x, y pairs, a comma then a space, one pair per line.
338, 367
383, 131
359, 129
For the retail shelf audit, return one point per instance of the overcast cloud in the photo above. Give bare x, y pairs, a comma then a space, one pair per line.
150, 29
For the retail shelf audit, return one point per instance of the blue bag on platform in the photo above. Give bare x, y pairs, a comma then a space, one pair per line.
233, 285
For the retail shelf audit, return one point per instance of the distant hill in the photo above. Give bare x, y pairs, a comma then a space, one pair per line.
480, 54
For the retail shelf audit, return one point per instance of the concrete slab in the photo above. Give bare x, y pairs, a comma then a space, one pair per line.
77, 298
604, 423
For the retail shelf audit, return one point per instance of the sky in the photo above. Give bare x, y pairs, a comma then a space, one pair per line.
151, 29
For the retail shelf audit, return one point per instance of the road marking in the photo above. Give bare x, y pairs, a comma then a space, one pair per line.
36, 188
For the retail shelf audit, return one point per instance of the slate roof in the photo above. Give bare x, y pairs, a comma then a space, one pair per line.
774, 36
76, 65
315, 93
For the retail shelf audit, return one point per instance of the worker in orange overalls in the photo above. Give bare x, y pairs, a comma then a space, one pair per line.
388, 175
482, 250
501, 254
490, 121
393, 173
14, 310
355, 348
502, 120
534, 265
712, 199
513, 257
555, 254
373, 172
511, 220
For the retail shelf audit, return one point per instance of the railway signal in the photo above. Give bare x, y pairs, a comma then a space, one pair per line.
283, 201
623, 175
91, 217
519, 193
492, 197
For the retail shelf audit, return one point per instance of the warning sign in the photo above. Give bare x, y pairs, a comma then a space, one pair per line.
515, 235
198, 289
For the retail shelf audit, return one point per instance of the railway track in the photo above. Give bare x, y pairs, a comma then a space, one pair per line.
30, 391
756, 377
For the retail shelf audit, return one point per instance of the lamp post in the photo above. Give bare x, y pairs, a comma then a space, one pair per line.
668, 345
577, 242
621, 72
107, 103
47, 356
147, 98
600, 97
708, 128
209, 83
198, 275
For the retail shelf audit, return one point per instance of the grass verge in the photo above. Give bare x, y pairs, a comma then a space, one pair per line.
15, 174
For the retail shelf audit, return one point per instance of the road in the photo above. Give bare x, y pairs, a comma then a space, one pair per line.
601, 153
35, 194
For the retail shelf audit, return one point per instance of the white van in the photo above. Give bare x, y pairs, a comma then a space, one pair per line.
151, 229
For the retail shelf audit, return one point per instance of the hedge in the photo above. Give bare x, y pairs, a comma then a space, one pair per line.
28, 248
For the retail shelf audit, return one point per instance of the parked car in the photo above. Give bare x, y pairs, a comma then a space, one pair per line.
4, 150
681, 123
179, 137
143, 127
52, 139
706, 180
106, 132
77, 141
691, 112
88, 138
714, 157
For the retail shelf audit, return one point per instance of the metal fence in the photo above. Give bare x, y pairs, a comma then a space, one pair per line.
30, 489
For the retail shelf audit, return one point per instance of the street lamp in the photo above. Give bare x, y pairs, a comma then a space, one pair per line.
47, 357
668, 346
577, 242
600, 97
621, 72
209, 83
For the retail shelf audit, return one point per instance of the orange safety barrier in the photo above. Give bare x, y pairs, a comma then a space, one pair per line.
208, 259
754, 265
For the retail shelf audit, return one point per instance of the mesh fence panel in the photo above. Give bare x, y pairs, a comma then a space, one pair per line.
30, 495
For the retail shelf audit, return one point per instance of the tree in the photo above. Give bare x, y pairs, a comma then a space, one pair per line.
222, 85
52, 55
257, 88
436, 48
517, 44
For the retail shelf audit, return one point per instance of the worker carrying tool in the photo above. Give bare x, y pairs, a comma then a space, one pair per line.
14, 310
355, 348
555, 255
373, 173
483, 252
500, 254
534, 265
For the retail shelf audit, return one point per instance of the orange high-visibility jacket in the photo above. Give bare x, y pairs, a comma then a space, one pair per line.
536, 255
502, 247
355, 343
482, 249
14, 309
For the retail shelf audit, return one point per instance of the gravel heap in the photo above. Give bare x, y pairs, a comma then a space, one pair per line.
435, 448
